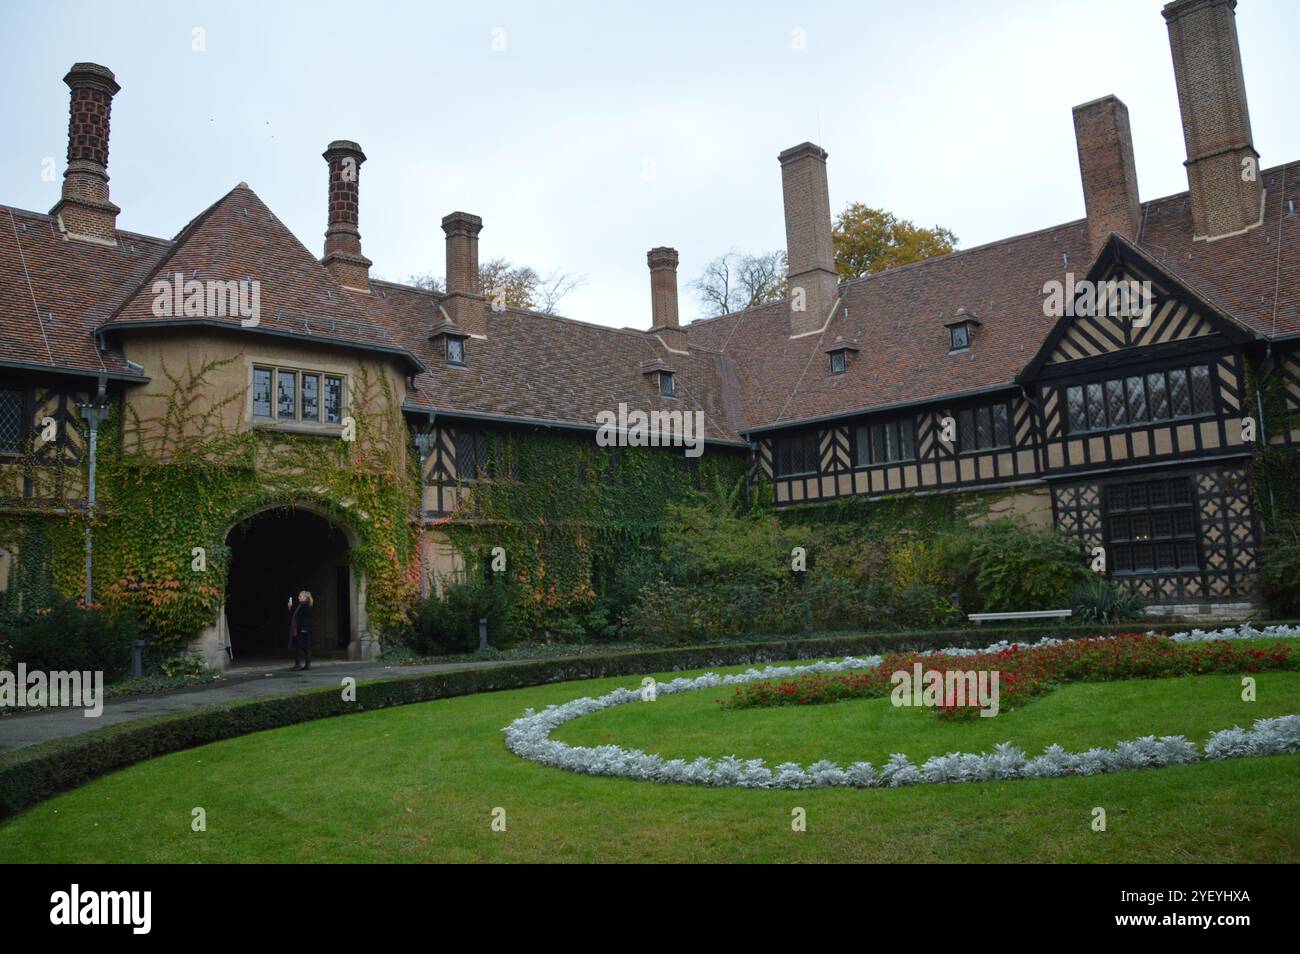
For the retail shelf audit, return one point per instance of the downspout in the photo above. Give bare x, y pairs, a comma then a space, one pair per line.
1262, 431
93, 413
422, 442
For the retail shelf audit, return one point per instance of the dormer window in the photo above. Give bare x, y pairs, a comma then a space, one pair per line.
960, 337
660, 375
838, 351
455, 350
961, 330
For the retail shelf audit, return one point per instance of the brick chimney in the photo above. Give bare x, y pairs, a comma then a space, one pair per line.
663, 298
1222, 164
1110, 188
84, 212
812, 283
464, 304
343, 255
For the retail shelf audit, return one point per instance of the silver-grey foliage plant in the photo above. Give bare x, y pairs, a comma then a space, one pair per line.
529, 737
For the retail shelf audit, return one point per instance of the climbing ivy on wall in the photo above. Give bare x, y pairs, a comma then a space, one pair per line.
1276, 490
182, 479
575, 518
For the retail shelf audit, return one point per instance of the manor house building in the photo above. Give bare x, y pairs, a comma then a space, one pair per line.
1139, 433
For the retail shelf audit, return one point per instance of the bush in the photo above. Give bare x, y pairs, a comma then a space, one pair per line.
1279, 570
836, 603
919, 606
704, 544
447, 622
669, 614
66, 637
1098, 600
1019, 568
187, 665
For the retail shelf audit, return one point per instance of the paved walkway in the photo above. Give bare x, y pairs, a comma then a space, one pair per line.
28, 728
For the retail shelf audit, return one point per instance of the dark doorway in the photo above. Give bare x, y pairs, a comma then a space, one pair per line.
274, 555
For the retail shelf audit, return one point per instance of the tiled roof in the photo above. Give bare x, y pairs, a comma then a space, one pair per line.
238, 238
898, 318
1253, 277
743, 371
51, 291
545, 368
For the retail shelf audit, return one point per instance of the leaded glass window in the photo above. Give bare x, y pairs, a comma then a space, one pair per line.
286, 394
1078, 412
1001, 425
1202, 393
11, 420
1137, 399
455, 349
1116, 405
261, 392
1157, 396
1180, 399
797, 454
1096, 407
885, 443
333, 399
1151, 526
311, 397
1140, 399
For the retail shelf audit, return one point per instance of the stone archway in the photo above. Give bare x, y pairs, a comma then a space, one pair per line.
275, 552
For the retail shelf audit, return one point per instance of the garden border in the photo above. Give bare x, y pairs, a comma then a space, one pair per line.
34, 774
529, 737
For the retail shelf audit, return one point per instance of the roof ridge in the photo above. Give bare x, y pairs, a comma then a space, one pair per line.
177, 244
521, 312
46, 217
1186, 192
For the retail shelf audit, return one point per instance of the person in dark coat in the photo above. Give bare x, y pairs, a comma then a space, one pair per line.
302, 635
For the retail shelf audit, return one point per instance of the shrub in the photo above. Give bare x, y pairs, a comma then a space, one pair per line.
668, 613
1020, 568
712, 545
190, 665
835, 603
919, 606
1098, 600
1279, 570
67, 637
447, 622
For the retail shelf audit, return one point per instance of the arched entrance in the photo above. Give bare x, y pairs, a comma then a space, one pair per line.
273, 555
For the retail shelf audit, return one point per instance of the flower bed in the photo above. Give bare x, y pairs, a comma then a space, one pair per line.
1026, 671
529, 737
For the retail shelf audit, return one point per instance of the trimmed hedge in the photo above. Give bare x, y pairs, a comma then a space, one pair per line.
31, 775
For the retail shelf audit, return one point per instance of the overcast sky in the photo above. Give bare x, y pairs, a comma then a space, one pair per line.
585, 134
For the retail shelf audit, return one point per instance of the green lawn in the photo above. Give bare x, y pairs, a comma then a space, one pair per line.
419, 783
1078, 716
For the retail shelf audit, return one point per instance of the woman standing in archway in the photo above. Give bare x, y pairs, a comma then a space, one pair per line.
301, 632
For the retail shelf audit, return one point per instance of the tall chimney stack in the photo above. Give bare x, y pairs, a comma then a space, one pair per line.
343, 255
1110, 189
1222, 164
812, 282
464, 303
663, 298
84, 211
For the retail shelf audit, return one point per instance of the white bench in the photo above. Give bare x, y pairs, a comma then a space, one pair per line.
1028, 614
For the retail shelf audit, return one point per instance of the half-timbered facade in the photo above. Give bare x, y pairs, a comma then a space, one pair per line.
1137, 433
